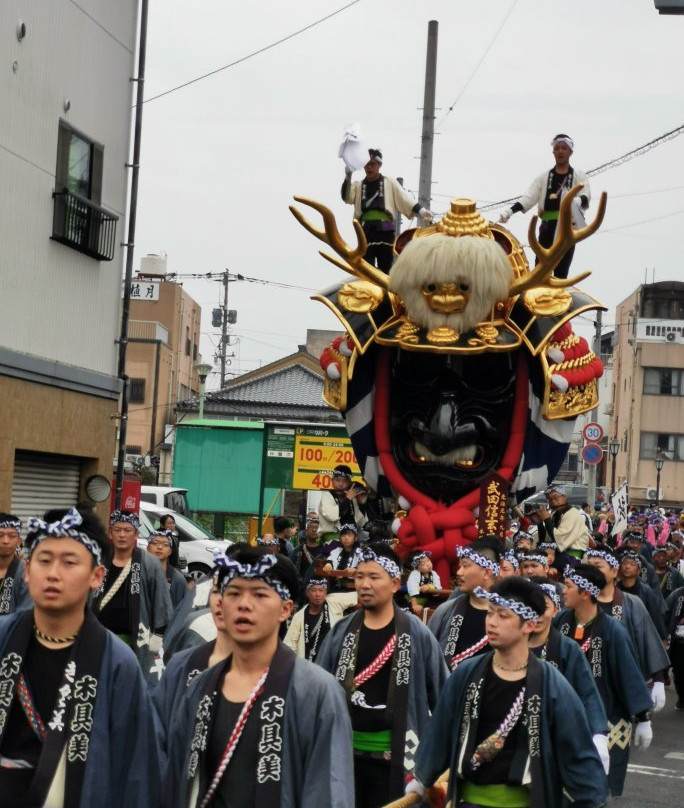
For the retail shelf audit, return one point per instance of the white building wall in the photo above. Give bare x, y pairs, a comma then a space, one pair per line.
63, 306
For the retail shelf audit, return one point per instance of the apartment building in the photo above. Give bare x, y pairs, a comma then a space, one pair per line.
648, 392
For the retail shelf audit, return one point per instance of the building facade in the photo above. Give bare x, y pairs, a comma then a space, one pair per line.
163, 350
64, 144
648, 392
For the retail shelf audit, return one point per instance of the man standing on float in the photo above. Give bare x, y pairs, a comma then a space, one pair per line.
547, 190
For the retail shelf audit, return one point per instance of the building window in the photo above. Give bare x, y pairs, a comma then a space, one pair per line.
672, 446
136, 393
187, 340
78, 220
79, 164
663, 382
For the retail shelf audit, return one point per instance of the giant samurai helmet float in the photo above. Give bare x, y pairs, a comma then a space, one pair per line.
458, 364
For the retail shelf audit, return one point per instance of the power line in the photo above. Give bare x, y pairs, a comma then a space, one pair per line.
644, 221
254, 53
218, 276
617, 161
477, 66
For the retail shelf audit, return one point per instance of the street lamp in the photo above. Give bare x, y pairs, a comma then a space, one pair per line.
203, 370
659, 463
613, 448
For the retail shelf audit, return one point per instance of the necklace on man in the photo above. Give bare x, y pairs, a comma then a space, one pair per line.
511, 670
57, 640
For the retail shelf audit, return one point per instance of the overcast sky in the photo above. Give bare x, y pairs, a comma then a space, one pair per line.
222, 158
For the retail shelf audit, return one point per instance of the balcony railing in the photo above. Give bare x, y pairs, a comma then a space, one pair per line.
85, 227
148, 329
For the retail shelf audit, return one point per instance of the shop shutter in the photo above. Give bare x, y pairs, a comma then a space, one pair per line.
42, 482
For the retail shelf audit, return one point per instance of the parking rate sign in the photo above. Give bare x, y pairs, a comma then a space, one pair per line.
315, 456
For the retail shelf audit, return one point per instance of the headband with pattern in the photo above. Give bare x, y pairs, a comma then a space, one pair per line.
338, 473
512, 559
231, 569
349, 528
551, 592
419, 557
390, 566
539, 558
581, 582
62, 529
480, 560
317, 582
130, 518
165, 534
517, 606
521, 535
262, 542
547, 545
630, 555
11, 522
609, 558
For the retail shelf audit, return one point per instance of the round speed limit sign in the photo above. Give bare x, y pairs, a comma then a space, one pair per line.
592, 432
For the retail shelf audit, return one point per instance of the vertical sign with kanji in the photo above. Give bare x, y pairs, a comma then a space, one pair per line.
493, 506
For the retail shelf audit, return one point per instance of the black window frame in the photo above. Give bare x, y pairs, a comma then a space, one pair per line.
135, 396
64, 134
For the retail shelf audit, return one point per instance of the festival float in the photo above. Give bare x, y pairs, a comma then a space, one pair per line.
459, 375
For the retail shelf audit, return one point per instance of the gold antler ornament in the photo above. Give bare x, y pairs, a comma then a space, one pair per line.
566, 237
330, 235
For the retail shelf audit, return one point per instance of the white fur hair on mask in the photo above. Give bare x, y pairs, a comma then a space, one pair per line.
478, 263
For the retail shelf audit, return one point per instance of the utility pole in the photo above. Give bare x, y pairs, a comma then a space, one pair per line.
130, 244
428, 136
224, 330
591, 479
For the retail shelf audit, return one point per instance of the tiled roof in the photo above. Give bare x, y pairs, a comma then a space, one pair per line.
291, 385
292, 392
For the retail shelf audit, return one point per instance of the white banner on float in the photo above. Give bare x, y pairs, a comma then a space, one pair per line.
620, 503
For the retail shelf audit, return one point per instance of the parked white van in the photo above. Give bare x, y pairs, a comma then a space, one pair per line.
165, 496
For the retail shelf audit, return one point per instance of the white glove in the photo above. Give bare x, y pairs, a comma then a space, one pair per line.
414, 787
643, 734
505, 216
601, 744
425, 216
658, 696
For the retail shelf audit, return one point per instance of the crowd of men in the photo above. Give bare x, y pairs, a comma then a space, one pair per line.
321, 669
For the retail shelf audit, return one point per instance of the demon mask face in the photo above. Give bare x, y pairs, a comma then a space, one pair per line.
449, 419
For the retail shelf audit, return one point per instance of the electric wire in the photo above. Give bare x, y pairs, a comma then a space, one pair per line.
617, 161
254, 53
478, 65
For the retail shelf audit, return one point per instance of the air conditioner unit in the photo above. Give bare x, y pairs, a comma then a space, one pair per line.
134, 458
652, 494
671, 336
